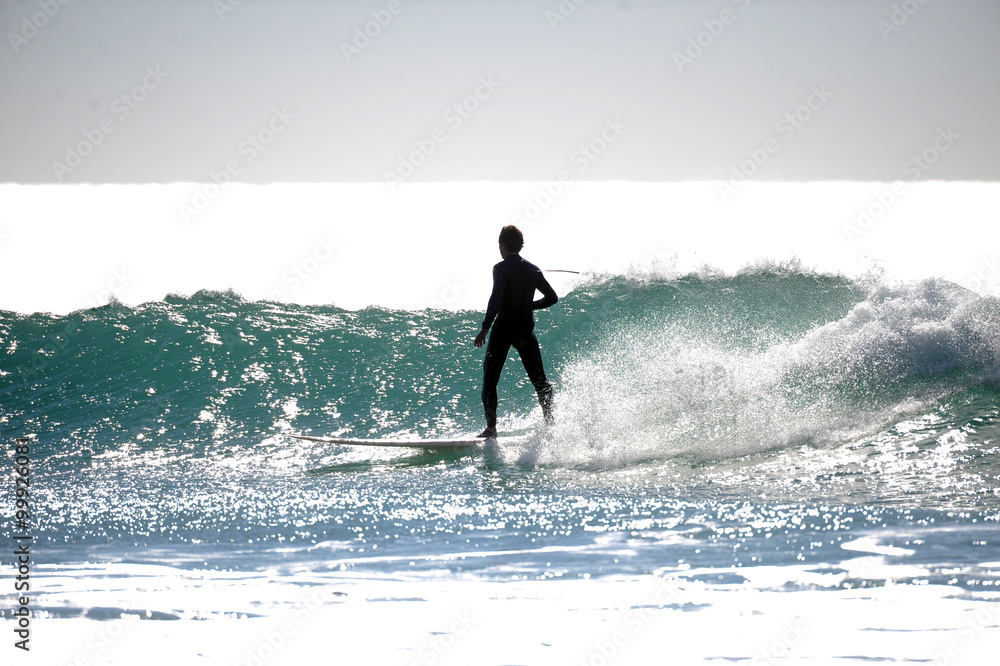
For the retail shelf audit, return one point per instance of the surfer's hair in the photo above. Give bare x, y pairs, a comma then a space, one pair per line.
512, 237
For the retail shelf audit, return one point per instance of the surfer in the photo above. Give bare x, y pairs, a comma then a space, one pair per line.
515, 281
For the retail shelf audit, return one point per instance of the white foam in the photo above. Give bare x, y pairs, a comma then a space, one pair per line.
787, 614
669, 391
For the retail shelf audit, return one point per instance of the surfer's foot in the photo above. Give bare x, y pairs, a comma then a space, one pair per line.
489, 433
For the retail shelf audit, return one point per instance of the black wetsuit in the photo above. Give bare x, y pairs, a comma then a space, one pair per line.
512, 303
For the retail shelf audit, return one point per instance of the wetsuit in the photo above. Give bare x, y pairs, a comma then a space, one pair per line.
511, 304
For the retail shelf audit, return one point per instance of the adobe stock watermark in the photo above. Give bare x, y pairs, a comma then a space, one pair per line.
56, 342
322, 251
364, 34
604, 313
663, 258
714, 28
30, 26
454, 117
120, 280
441, 642
562, 13
899, 17
988, 272
271, 642
107, 633
777, 652
450, 293
122, 107
973, 625
223, 7
582, 158
887, 197
786, 127
633, 623
105, 636
248, 150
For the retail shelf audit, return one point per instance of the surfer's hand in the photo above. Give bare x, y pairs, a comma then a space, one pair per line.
481, 338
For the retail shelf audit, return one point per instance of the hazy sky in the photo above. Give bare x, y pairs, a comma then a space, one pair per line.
139, 91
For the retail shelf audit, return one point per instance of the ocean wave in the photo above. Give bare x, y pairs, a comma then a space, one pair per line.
727, 367
701, 366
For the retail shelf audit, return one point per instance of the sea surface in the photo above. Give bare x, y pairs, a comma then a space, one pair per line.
706, 423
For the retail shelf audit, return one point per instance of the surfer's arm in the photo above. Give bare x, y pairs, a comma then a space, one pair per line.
548, 292
492, 307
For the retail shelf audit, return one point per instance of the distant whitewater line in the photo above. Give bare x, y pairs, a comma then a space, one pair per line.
67, 247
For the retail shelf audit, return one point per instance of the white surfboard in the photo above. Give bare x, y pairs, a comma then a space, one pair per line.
408, 443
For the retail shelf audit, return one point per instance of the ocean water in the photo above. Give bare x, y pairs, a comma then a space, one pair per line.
709, 425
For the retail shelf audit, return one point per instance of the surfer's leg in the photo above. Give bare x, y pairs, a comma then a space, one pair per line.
531, 356
496, 355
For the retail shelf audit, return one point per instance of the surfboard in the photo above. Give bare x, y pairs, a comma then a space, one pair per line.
407, 443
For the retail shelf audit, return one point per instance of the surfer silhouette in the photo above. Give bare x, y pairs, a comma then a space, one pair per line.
511, 305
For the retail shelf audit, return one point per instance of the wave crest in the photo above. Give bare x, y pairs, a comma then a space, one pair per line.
706, 387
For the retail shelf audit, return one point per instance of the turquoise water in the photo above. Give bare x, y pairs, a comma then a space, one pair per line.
767, 418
